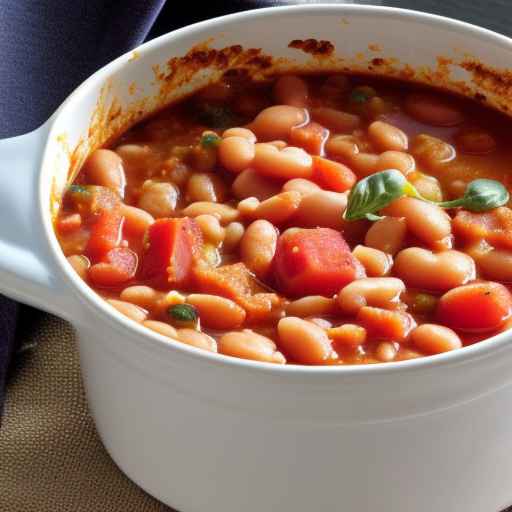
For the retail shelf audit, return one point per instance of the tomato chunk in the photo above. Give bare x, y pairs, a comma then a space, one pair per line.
332, 175
120, 266
314, 262
105, 234
310, 137
69, 223
173, 250
475, 307
495, 226
236, 282
386, 324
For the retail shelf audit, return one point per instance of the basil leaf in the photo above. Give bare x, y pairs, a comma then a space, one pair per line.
358, 97
210, 140
183, 313
78, 189
480, 195
375, 192
362, 94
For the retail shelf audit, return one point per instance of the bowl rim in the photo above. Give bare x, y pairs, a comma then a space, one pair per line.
163, 345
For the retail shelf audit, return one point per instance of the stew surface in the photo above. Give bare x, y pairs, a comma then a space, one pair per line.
324, 220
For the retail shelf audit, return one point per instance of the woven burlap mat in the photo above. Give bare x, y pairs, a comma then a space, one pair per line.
51, 459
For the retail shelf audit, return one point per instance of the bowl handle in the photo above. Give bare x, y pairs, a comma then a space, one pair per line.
26, 271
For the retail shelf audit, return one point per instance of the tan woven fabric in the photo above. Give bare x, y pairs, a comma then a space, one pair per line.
51, 459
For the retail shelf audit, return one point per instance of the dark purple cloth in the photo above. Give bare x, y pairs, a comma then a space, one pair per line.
47, 47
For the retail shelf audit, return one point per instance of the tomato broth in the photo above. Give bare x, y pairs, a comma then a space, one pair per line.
318, 219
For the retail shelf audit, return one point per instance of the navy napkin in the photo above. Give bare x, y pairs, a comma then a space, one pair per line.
46, 49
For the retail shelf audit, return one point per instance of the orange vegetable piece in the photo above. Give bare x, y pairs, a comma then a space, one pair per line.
332, 175
120, 266
314, 262
105, 234
386, 324
235, 282
69, 223
310, 137
483, 306
173, 251
495, 226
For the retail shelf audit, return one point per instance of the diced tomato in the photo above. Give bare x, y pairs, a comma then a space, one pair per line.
105, 234
495, 226
310, 137
332, 175
475, 307
314, 262
92, 199
235, 282
69, 223
386, 324
173, 250
120, 266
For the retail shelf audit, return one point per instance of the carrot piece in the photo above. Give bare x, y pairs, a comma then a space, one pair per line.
235, 282
494, 226
347, 335
310, 137
332, 175
483, 306
69, 223
120, 266
105, 234
314, 262
386, 324
173, 251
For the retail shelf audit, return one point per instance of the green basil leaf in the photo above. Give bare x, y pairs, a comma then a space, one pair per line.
210, 140
78, 189
481, 195
362, 94
375, 192
358, 97
183, 313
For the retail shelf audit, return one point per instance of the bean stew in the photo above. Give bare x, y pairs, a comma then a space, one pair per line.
317, 219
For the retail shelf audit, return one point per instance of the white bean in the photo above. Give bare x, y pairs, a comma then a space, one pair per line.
248, 344
258, 246
423, 269
382, 292
304, 341
158, 199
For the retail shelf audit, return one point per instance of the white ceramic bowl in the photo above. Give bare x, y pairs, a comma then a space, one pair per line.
208, 433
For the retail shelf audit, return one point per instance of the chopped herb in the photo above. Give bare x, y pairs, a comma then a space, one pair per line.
210, 140
362, 94
184, 315
79, 189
